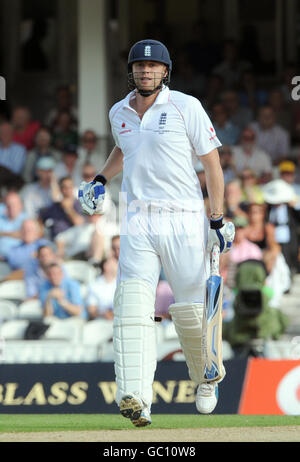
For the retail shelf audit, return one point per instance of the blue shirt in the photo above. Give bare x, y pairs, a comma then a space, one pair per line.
229, 134
13, 157
7, 225
20, 256
71, 289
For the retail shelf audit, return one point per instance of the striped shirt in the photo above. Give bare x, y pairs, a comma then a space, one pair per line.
13, 157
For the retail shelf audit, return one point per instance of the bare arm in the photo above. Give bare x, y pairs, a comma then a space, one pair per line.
214, 181
114, 164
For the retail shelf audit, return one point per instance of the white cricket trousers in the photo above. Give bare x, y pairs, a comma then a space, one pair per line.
175, 241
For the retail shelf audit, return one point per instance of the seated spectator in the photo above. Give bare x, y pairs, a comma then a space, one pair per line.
281, 109
252, 192
251, 95
62, 215
214, 87
242, 250
239, 115
270, 137
281, 198
42, 148
12, 154
35, 273
101, 292
43, 192
187, 77
248, 155
24, 128
60, 296
115, 246
233, 200
231, 67
90, 151
227, 163
63, 103
11, 222
69, 165
64, 134
287, 172
226, 131
31, 239
164, 298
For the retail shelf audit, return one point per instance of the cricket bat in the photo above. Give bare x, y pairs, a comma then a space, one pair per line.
212, 321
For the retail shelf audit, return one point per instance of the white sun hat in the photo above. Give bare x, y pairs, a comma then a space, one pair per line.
279, 192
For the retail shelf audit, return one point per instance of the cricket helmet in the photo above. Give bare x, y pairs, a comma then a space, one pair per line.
149, 50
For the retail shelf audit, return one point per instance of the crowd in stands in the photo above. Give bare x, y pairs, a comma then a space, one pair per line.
43, 162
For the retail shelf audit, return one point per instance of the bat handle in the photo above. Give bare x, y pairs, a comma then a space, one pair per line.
215, 260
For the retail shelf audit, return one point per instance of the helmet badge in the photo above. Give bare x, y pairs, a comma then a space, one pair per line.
147, 50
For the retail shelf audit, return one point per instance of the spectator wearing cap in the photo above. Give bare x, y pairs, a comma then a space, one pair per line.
43, 192
64, 214
60, 295
42, 148
270, 136
12, 154
69, 165
248, 155
287, 172
64, 134
89, 151
24, 127
226, 131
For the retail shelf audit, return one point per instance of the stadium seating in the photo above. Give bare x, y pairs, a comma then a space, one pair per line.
5, 269
82, 271
13, 330
13, 290
31, 310
8, 310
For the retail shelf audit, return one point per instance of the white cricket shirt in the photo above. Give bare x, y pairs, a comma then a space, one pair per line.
160, 150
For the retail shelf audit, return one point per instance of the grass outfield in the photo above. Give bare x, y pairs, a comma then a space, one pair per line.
75, 422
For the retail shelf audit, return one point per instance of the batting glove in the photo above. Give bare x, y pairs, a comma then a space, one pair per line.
91, 195
221, 234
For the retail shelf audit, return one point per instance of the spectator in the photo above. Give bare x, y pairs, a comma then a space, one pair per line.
43, 192
282, 213
31, 239
63, 103
12, 154
69, 165
187, 77
231, 68
24, 128
287, 172
272, 138
251, 94
239, 115
11, 223
227, 163
282, 111
42, 148
226, 131
248, 155
242, 250
90, 151
115, 246
214, 87
35, 273
62, 215
64, 134
251, 191
60, 296
101, 292
233, 200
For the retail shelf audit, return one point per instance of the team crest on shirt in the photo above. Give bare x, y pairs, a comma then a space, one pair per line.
162, 122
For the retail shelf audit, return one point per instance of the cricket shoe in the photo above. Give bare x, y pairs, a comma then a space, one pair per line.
207, 397
132, 407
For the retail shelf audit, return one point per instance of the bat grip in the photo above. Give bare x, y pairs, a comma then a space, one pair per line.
215, 261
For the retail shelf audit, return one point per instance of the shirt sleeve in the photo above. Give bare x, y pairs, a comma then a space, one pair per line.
113, 131
200, 129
